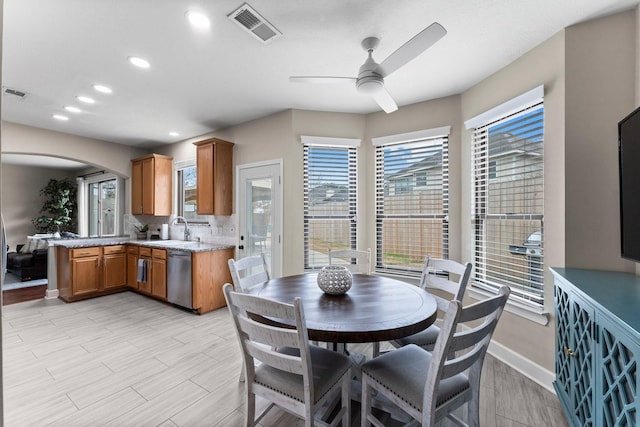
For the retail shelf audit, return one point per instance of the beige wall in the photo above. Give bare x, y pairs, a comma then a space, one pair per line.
22, 139
21, 199
600, 60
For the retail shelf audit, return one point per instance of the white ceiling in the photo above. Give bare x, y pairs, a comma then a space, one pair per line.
200, 81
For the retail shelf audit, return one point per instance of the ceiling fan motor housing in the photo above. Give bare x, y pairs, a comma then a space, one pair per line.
369, 82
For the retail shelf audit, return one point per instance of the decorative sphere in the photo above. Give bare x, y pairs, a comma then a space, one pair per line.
334, 279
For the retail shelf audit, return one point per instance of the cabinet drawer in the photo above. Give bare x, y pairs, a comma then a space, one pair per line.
132, 249
159, 253
115, 249
145, 251
83, 252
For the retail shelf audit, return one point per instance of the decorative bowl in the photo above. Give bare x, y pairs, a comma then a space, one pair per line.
334, 279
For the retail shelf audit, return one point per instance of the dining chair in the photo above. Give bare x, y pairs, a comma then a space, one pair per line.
429, 386
248, 272
297, 377
346, 258
436, 276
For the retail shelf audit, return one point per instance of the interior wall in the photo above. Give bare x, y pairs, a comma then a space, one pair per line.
600, 58
542, 65
21, 199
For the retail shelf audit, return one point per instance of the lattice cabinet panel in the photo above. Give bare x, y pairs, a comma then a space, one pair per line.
618, 359
563, 339
581, 354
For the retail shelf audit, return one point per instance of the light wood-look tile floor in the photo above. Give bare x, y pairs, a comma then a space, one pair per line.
127, 360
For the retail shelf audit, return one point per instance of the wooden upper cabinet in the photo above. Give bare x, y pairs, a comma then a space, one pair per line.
151, 180
214, 163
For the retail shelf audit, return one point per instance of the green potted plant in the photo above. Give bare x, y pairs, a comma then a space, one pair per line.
141, 231
59, 207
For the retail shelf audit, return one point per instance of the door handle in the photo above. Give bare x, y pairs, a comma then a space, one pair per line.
241, 247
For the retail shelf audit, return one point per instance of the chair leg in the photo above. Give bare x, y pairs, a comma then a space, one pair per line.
376, 349
346, 400
365, 403
250, 413
243, 374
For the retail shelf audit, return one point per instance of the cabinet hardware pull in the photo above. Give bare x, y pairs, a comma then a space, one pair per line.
568, 352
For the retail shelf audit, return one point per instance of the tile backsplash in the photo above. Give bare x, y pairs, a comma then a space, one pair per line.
219, 229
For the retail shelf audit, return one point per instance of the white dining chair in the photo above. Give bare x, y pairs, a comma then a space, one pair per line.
430, 386
356, 261
437, 278
297, 377
248, 272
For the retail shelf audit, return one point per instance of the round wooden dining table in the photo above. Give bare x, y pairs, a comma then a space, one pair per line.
376, 308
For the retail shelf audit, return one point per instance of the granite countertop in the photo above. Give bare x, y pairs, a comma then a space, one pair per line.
182, 245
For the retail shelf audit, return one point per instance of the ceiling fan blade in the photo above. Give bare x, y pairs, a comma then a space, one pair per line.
385, 101
411, 49
321, 79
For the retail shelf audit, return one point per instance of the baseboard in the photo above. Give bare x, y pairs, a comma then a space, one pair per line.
526, 367
51, 294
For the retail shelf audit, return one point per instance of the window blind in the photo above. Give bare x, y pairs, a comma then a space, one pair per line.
329, 202
508, 157
412, 182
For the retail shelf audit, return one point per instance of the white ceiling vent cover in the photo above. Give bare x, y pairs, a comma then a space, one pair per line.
17, 93
249, 20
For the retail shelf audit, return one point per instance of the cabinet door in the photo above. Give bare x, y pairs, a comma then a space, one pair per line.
563, 344
114, 270
148, 179
205, 179
132, 267
85, 275
146, 286
159, 273
582, 355
617, 395
136, 187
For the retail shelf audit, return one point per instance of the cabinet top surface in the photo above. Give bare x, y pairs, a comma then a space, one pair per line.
159, 244
614, 291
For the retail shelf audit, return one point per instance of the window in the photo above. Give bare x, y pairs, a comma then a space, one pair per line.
509, 204
187, 200
411, 201
329, 202
102, 207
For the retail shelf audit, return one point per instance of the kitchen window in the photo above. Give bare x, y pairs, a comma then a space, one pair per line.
508, 202
412, 203
330, 209
186, 178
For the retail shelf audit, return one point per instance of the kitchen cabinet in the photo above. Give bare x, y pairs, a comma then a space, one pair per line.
209, 273
132, 266
597, 346
151, 180
90, 271
145, 254
214, 164
159, 273
114, 270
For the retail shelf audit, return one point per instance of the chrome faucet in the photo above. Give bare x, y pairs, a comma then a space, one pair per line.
187, 233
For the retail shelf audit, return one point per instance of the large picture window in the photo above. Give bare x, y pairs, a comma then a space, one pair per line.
329, 202
508, 158
187, 201
411, 203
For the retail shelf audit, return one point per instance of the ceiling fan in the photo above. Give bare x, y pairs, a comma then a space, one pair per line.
371, 76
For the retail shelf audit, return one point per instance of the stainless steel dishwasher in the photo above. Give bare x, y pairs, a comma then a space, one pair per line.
179, 289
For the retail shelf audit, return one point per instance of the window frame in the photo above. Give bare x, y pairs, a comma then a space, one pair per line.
481, 176
351, 176
428, 137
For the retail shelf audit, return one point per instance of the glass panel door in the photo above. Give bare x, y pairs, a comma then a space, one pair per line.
102, 208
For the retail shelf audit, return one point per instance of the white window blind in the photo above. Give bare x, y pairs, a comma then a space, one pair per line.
412, 181
508, 167
329, 202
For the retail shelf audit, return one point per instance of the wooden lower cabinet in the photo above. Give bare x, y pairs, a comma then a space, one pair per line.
209, 273
91, 271
100, 270
159, 273
114, 269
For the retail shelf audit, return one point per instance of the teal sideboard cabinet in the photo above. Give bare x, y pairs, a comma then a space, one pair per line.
597, 346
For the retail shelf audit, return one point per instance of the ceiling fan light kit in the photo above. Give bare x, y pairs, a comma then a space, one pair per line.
371, 75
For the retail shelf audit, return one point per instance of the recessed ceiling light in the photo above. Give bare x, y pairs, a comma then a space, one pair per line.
72, 109
198, 20
174, 134
139, 62
60, 117
85, 99
102, 88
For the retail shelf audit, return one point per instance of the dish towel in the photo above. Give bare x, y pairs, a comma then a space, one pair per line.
142, 271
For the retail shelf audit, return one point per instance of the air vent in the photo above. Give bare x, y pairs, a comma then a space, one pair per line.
15, 93
249, 20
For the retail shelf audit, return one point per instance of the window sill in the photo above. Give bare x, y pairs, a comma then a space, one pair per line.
530, 313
